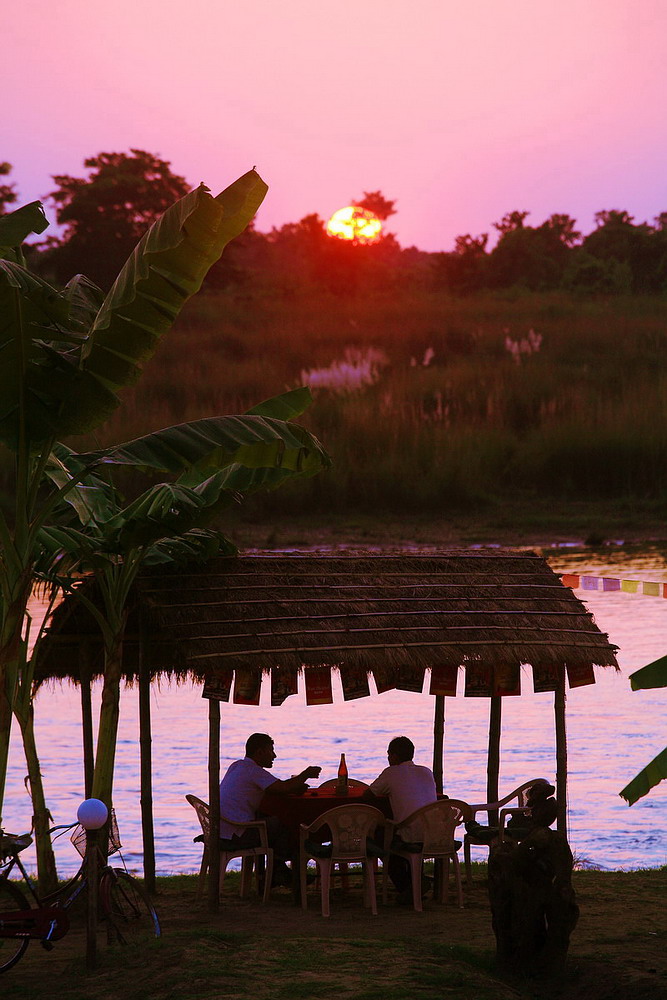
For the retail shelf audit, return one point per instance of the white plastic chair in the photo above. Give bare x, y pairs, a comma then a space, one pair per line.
250, 855
350, 827
495, 831
438, 822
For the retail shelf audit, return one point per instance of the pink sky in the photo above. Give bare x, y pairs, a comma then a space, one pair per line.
461, 111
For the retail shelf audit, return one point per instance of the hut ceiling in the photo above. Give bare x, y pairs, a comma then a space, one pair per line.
367, 611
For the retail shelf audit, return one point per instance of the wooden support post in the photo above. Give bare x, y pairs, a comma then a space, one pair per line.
561, 754
92, 895
85, 673
214, 804
145, 751
493, 763
439, 742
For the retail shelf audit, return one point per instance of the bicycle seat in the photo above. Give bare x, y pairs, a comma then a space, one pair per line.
12, 843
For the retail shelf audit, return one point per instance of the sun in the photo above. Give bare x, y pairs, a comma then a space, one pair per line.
355, 224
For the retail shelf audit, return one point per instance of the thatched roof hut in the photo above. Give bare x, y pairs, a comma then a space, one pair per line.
390, 616
374, 612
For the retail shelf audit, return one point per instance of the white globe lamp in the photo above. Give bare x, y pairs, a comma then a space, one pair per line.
92, 814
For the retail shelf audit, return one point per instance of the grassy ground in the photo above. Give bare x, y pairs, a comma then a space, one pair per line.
251, 952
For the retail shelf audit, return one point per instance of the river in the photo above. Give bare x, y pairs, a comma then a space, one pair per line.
612, 732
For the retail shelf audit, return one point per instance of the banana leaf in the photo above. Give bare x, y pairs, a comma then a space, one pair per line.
64, 355
287, 406
85, 301
215, 442
16, 226
92, 498
39, 363
653, 675
197, 545
167, 267
642, 783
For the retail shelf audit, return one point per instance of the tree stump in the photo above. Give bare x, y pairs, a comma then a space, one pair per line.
533, 905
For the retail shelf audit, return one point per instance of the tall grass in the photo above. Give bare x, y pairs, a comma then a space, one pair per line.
583, 415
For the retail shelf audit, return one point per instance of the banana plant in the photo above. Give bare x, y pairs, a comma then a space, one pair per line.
65, 354
220, 461
653, 675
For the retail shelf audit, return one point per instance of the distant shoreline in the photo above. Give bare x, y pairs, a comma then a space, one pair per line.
535, 524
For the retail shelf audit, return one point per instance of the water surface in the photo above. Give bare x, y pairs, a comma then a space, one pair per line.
612, 733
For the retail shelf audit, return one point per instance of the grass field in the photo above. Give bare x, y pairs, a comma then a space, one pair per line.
494, 408
276, 952
427, 402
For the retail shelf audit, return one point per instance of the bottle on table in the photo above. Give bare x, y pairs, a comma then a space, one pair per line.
341, 784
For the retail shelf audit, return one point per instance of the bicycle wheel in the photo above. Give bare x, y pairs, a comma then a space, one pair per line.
128, 907
11, 949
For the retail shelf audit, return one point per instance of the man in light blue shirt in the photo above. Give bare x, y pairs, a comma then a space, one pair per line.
409, 787
242, 790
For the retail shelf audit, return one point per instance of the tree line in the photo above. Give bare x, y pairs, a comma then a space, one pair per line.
104, 214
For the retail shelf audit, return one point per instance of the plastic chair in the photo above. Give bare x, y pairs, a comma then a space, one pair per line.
351, 826
250, 856
352, 782
438, 821
484, 836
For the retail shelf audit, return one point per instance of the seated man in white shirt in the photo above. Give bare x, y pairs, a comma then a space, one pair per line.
409, 787
241, 791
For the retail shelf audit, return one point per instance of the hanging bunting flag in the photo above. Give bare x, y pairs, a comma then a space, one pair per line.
479, 681
218, 684
612, 583
443, 679
409, 678
247, 686
383, 681
580, 675
284, 682
355, 683
507, 679
318, 686
546, 677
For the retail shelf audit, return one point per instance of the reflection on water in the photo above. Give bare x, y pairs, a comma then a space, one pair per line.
612, 731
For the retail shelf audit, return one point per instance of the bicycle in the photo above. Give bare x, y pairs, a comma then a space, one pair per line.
124, 902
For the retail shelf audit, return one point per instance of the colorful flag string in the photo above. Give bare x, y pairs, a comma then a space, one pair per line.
612, 583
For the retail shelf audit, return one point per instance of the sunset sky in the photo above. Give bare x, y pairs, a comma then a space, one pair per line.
460, 111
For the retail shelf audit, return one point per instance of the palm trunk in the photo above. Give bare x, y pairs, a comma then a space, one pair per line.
6, 716
10, 662
105, 756
41, 817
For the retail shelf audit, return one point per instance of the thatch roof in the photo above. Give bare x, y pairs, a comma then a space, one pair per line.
363, 611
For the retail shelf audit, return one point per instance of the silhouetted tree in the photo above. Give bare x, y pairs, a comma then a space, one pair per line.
591, 275
532, 256
617, 238
375, 202
511, 222
464, 269
562, 226
7, 191
106, 213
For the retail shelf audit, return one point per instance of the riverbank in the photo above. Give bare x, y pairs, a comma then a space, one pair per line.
252, 952
529, 522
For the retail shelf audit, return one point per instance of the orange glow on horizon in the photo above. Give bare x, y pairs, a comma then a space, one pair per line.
355, 224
